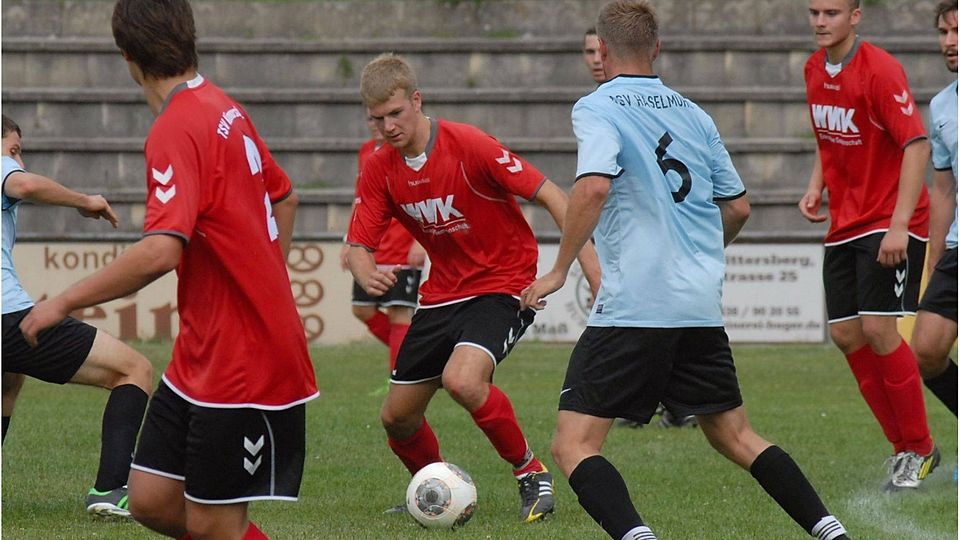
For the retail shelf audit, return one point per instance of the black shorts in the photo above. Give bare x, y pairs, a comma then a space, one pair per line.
491, 322
627, 372
941, 294
60, 351
223, 456
855, 284
404, 293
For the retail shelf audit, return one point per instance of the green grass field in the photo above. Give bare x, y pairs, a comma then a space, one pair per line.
802, 398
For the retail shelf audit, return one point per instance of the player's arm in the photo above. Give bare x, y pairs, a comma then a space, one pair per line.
942, 210
587, 198
365, 272
417, 256
733, 214
893, 246
551, 197
285, 212
40, 189
812, 200
136, 267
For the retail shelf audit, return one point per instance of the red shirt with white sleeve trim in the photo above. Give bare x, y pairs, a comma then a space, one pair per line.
863, 118
211, 182
460, 205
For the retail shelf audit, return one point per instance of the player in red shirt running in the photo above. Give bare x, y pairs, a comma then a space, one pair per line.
453, 187
871, 154
396, 248
226, 424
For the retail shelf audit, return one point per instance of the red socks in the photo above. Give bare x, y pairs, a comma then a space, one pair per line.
379, 326
863, 364
253, 533
419, 450
901, 379
891, 386
499, 423
397, 333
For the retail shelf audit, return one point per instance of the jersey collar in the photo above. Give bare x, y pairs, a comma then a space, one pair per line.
192, 83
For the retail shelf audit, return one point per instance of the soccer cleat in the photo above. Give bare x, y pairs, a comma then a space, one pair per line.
108, 503
536, 495
909, 468
668, 420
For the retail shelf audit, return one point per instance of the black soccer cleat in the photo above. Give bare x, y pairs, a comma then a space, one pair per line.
536, 496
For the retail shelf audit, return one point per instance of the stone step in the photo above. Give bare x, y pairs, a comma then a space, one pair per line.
306, 113
466, 63
338, 19
324, 215
117, 163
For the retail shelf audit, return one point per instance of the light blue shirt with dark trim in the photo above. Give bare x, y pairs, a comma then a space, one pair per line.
660, 237
14, 297
943, 139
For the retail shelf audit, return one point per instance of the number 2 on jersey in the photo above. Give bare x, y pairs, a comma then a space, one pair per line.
256, 166
671, 164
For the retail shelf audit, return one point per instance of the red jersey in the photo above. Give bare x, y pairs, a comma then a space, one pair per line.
863, 118
211, 182
460, 206
395, 245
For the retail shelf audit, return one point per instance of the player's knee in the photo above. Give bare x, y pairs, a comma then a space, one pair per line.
147, 513
363, 313
845, 339
881, 334
929, 361
398, 425
464, 391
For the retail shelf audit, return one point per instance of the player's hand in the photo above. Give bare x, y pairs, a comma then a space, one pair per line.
45, 314
96, 207
379, 282
534, 295
810, 206
893, 248
417, 256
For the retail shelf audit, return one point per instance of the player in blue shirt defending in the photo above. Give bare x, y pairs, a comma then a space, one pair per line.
658, 192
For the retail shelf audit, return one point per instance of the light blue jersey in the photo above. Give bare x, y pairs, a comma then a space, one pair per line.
659, 238
943, 129
14, 297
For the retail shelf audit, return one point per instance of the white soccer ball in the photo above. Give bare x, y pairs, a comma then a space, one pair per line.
441, 495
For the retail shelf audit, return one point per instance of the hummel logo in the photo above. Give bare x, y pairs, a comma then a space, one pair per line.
903, 99
163, 177
165, 195
898, 287
253, 448
505, 158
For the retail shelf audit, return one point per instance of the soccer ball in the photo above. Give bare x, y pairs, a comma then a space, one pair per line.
441, 495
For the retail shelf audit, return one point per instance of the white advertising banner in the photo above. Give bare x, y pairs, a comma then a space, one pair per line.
321, 290
773, 294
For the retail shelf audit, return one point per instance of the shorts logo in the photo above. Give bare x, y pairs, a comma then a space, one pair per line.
254, 450
898, 287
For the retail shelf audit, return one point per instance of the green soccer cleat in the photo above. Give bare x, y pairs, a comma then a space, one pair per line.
111, 503
536, 495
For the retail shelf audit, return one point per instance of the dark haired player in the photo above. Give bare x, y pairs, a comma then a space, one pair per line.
226, 424
936, 329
